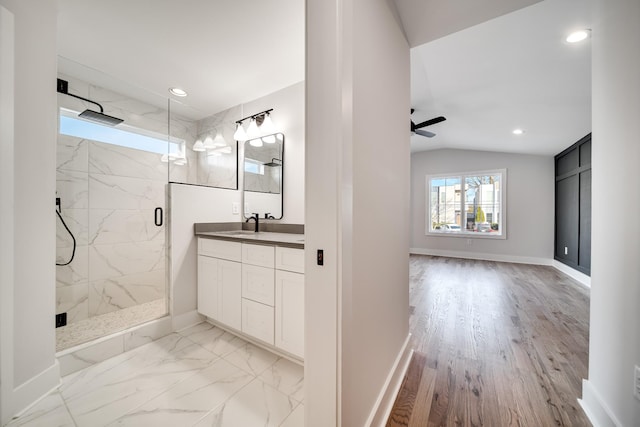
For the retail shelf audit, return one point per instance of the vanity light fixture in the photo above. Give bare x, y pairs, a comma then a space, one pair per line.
578, 36
178, 92
253, 131
198, 146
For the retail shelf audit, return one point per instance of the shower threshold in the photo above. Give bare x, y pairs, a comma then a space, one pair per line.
105, 324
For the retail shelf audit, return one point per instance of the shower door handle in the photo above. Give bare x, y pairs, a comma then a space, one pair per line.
157, 216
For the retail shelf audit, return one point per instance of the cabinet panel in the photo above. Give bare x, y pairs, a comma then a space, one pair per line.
257, 320
567, 219
208, 286
230, 293
584, 255
257, 283
289, 314
290, 259
223, 249
258, 255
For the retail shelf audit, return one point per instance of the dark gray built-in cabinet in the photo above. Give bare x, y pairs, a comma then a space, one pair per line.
573, 206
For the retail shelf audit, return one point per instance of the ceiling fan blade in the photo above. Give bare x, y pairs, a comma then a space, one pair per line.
425, 133
430, 122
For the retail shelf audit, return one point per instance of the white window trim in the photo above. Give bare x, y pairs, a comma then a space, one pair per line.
467, 234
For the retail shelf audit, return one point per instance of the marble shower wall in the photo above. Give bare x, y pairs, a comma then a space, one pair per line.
108, 197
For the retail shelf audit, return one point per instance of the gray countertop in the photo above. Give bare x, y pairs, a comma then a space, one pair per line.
290, 240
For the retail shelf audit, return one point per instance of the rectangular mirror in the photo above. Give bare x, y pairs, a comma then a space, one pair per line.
263, 175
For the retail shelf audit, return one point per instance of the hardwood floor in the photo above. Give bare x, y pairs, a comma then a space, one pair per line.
496, 344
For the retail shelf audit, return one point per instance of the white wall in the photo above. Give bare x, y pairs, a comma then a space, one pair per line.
288, 117
28, 337
614, 338
358, 207
529, 201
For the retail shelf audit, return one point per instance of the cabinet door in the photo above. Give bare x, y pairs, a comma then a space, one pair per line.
230, 293
208, 286
257, 320
290, 312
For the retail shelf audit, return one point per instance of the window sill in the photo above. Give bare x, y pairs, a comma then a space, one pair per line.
468, 235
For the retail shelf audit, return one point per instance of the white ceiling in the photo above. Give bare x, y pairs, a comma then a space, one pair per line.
514, 71
511, 71
222, 53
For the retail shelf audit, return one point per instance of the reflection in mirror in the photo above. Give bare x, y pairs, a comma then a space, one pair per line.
263, 167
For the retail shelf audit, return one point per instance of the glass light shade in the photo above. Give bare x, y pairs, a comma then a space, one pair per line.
198, 146
240, 134
267, 127
256, 142
208, 142
252, 131
269, 139
219, 140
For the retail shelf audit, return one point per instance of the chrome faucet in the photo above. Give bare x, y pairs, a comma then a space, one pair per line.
256, 217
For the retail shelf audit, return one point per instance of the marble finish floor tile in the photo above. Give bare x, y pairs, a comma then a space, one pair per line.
177, 381
257, 404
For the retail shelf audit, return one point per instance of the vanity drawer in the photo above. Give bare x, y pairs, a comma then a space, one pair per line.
257, 320
290, 259
258, 255
231, 251
258, 284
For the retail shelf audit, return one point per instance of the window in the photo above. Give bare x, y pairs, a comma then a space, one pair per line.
467, 204
253, 166
123, 135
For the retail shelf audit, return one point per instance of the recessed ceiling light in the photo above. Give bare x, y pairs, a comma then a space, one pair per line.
578, 36
518, 131
177, 91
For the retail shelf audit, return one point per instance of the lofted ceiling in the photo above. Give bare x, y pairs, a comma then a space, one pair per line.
512, 70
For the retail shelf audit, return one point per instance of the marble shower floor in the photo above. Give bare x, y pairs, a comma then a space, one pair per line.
201, 376
106, 324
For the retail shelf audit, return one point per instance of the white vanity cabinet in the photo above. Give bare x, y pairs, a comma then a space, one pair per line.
220, 281
258, 290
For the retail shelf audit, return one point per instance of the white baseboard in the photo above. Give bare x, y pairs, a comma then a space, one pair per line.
384, 404
185, 320
574, 274
26, 395
597, 411
481, 256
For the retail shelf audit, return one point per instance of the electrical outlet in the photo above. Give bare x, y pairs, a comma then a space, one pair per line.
235, 208
566, 250
636, 380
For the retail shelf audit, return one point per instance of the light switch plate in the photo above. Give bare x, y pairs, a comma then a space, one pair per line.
235, 208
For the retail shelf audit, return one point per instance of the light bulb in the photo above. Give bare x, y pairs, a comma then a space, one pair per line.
267, 127
240, 134
256, 142
252, 131
198, 146
577, 36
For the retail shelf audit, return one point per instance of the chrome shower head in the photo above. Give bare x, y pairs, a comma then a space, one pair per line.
101, 118
274, 162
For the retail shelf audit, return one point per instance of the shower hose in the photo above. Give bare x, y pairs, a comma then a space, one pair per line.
73, 252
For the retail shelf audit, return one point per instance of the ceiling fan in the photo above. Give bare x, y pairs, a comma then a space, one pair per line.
417, 128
